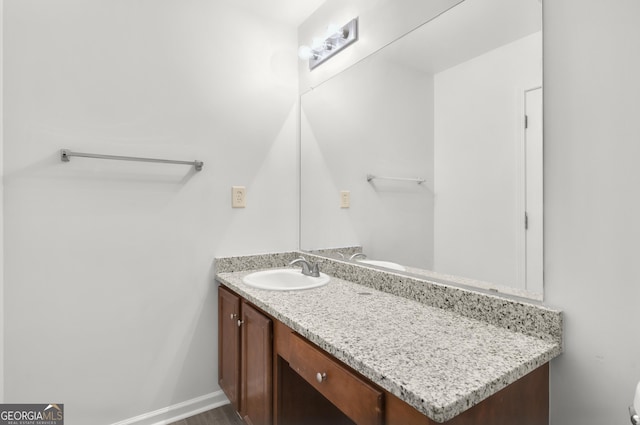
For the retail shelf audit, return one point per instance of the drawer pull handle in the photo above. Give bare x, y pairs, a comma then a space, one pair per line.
321, 377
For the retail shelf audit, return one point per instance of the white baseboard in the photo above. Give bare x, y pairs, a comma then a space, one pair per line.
179, 411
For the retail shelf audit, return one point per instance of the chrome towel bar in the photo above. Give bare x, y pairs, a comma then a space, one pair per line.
66, 154
417, 180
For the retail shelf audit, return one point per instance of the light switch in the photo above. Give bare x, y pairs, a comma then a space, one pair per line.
345, 199
238, 197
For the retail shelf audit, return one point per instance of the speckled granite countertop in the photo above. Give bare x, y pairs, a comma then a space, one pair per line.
435, 359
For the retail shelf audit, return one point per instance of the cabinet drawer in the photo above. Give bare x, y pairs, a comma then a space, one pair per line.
357, 399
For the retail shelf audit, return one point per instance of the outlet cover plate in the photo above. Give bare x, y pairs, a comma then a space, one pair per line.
345, 199
238, 197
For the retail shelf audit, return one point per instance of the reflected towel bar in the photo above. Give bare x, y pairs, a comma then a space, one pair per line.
417, 180
65, 154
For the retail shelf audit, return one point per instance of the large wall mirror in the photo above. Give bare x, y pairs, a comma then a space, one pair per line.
437, 138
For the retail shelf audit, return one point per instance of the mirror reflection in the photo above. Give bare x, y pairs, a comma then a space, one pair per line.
427, 155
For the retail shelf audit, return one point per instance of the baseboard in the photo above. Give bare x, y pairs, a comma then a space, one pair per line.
179, 411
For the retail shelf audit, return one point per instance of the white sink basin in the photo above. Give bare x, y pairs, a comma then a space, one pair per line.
386, 264
284, 280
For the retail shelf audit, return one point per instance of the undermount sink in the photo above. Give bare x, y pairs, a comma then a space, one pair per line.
386, 264
284, 280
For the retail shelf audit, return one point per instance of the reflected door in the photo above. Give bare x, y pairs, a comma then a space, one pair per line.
533, 190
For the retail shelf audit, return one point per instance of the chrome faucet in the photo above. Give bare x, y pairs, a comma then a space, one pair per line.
357, 255
307, 269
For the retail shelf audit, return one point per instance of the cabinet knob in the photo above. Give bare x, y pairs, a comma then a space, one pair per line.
240, 322
233, 316
321, 377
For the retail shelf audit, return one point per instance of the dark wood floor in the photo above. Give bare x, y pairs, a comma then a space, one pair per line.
225, 415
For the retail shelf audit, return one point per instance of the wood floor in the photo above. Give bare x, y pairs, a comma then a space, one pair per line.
225, 415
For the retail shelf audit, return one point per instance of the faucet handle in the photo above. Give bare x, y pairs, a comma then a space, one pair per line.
357, 255
315, 270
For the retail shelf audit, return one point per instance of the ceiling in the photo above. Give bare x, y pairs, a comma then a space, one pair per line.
292, 12
471, 28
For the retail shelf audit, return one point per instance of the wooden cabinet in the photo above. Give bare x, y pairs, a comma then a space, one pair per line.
229, 345
245, 364
256, 389
273, 376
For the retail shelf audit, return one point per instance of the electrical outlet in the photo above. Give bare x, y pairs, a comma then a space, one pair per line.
345, 199
238, 197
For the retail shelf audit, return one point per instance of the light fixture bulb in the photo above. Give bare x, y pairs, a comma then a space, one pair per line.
318, 44
333, 29
306, 52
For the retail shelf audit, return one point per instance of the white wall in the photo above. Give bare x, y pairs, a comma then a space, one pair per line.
591, 177
109, 299
479, 124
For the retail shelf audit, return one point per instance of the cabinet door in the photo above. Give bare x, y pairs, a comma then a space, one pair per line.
229, 345
257, 364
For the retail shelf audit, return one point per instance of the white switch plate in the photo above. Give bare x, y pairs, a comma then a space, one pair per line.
238, 197
345, 199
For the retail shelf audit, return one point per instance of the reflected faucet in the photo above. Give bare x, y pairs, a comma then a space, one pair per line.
357, 255
307, 269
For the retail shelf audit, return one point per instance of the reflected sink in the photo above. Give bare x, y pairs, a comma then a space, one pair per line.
386, 264
284, 280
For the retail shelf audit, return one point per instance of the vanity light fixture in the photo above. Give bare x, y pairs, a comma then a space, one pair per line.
336, 39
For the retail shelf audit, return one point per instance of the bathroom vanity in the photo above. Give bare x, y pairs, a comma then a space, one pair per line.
348, 353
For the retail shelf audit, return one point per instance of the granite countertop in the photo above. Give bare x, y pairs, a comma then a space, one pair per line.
437, 360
